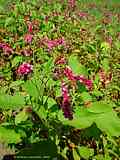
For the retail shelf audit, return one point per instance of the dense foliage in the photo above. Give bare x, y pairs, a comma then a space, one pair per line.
59, 79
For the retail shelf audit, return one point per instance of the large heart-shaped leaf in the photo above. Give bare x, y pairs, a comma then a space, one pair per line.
109, 123
99, 107
77, 68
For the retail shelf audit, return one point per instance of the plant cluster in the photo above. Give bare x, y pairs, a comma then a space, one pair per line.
59, 79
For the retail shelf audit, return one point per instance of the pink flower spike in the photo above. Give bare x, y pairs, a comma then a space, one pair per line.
80, 78
24, 69
68, 73
88, 83
65, 91
66, 106
28, 38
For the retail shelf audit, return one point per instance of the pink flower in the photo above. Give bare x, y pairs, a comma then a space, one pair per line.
24, 69
28, 38
6, 48
66, 107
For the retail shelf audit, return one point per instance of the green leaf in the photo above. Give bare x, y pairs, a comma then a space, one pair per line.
105, 46
21, 117
79, 123
99, 157
97, 93
51, 102
48, 66
9, 136
86, 152
86, 96
16, 61
80, 87
16, 83
99, 107
97, 79
31, 89
42, 113
58, 91
105, 64
75, 155
11, 102
76, 66
109, 123
9, 21
82, 120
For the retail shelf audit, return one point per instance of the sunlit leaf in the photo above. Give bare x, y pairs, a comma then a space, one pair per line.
9, 135
11, 102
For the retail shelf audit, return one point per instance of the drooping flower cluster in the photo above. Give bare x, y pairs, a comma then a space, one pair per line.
24, 69
66, 106
69, 74
72, 77
6, 48
53, 43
